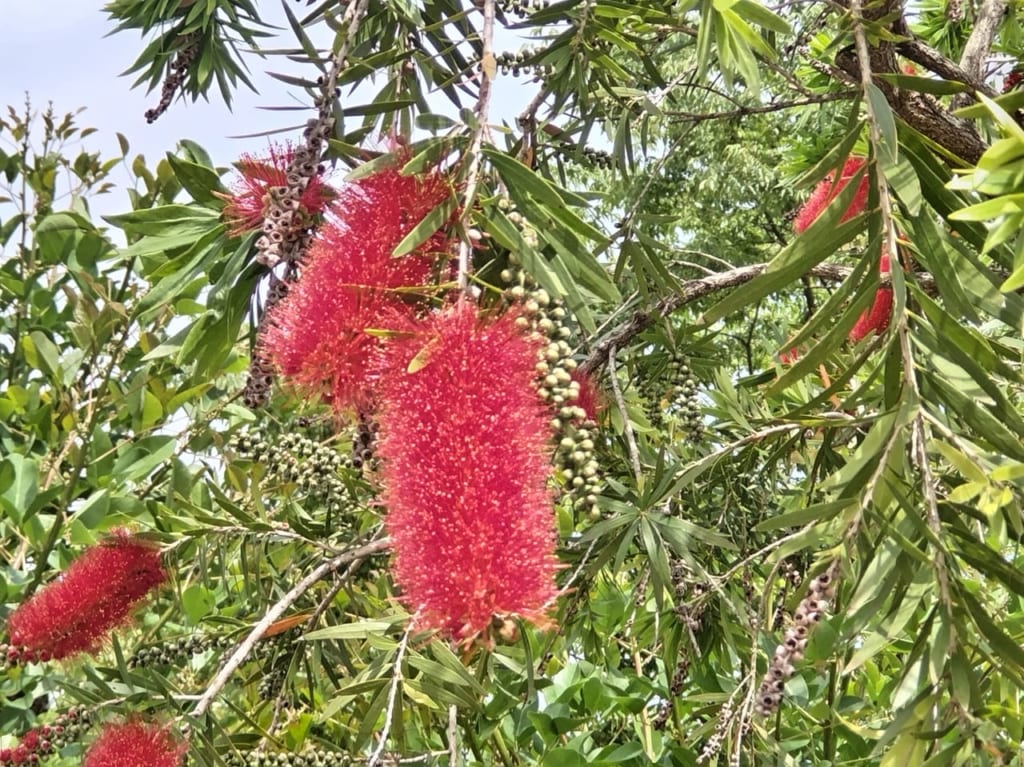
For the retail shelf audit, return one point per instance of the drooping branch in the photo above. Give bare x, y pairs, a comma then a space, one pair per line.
688, 292
695, 289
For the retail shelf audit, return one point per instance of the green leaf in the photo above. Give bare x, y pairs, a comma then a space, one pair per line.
426, 228
19, 475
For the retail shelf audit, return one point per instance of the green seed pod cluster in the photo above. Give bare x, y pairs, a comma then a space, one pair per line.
519, 63
672, 392
313, 467
177, 650
684, 399
273, 679
524, 8
313, 757
595, 157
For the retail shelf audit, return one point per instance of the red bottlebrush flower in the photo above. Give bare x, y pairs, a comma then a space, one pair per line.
350, 282
136, 744
590, 398
790, 357
464, 462
1012, 80
876, 319
828, 190
247, 204
96, 594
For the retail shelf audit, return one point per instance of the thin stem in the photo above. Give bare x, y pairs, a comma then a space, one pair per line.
488, 64
396, 683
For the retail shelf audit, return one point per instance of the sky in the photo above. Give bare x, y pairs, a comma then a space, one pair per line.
58, 51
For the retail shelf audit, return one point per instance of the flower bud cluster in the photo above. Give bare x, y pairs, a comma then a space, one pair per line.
807, 615
364, 441
520, 222
177, 650
574, 432
173, 82
46, 740
314, 757
312, 466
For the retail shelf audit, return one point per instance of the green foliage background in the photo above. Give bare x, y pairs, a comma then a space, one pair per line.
666, 150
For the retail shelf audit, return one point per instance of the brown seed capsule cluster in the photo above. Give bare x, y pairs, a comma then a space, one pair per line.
261, 375
176, 77
364, 441
314, 757
288, 231
689, 602
713, 745
314, 468
807, 615
675, 689
44, 741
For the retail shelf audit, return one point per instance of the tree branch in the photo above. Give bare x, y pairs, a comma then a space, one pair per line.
987, 19
487, 67
688, 292
743, 111
238, 657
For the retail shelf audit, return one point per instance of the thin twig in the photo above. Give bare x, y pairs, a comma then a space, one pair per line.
238, 657
453, 735
874, 129
744, 111
396, 683
634, 454
487, 67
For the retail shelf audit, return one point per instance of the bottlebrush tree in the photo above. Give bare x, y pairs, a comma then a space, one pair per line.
675, 418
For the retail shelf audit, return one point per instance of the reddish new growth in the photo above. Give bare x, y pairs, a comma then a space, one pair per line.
350, 282
96, 594
465, 463
1012, 80
876, 319
248, 203
828, 190
136, 744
